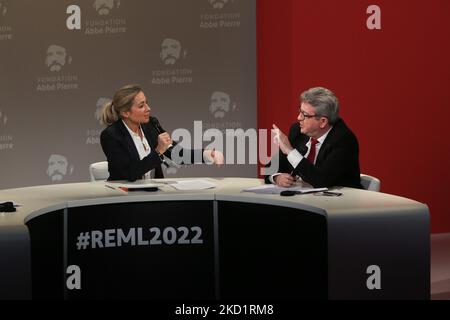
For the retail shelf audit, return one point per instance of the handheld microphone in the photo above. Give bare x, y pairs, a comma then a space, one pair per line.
159, 130
156, 125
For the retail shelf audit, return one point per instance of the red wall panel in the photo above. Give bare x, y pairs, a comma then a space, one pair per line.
393, 85
274, 47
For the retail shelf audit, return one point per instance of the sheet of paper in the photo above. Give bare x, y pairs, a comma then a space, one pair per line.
132, 185
188, 185
274, 189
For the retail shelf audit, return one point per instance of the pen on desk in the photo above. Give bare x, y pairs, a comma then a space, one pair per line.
118, 188
296, 177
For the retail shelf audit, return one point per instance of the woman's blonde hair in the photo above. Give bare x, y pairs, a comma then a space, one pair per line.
122, 102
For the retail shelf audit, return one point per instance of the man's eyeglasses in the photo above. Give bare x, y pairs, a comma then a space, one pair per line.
304, 115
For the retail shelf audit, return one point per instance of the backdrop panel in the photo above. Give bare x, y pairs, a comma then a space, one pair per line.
59, 63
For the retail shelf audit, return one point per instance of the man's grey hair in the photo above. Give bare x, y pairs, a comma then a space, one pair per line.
324, 101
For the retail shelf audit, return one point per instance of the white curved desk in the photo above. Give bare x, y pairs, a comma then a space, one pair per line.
249, 239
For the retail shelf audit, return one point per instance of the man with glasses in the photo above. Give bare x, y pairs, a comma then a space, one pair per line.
320, 149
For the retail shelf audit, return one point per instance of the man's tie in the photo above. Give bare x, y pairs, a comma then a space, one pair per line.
312, 151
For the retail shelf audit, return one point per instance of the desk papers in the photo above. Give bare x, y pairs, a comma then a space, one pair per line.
183, 185
189, 185
143, 185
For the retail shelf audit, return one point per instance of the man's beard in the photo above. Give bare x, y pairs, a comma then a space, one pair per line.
55, 66
170, 59
56, 176
103, 10
218, 4
219, 113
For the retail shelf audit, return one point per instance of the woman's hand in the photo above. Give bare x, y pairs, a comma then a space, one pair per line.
164, 142
213, 157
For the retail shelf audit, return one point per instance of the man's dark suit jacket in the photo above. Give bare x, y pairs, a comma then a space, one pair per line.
123, 157
337, 163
